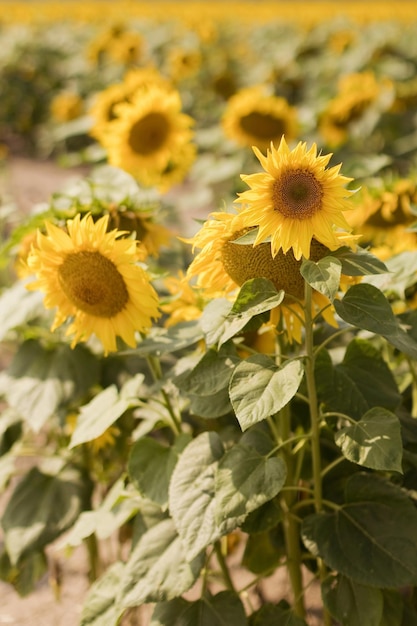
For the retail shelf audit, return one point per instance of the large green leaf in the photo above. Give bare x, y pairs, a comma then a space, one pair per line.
336, 390
27, 575
374, 441
167, 340
191, 493
245, 479
223, 609
258, 388
221, 321
157, 569
366, 307
104, 409
323, 275
41, 508
40, 380
211, 374
150, 466
99, 606
371, 538
17, 306
372, 377
359, 262
352, 603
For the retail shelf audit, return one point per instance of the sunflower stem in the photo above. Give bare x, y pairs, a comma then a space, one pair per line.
290, 524
155, 368
314, 421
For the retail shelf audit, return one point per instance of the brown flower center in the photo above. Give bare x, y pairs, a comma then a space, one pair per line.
262, 125
297, 194
149, 134
243, 262
93, 283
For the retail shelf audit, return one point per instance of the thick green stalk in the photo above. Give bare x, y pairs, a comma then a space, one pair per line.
291, 525
314, 423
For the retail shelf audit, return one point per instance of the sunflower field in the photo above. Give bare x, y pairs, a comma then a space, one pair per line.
209, 337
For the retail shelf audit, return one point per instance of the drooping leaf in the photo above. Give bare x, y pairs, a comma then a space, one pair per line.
366, 307
221, 321
351, 603
211, 374
359, 262
40, 380
157, 569
165, 340
371, 538
99, 606
150, 466
244, 481
372, 377
258, 388
323, 275
41, 508
223, 609
191, 493
98, 415
17, 306
374, 441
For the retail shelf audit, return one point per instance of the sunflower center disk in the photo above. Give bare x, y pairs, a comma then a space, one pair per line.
93, 284
243, 262
149, 134
262, 125
297, 194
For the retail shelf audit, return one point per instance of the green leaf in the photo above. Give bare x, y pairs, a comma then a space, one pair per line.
359, 262
211, 374
258, 388
99, 606
335, 389
150, 466
41, 508
323, 275
192, 490
393, 608
372, 377
158, 569
211, 407
275, 615
98, 415
27, 574
166, 340
371, 538
221, 321
261, 555
401, 274
374, 441
351, 603
264, 518
18, 306
223, 609
39, 381
244, 481
366, 307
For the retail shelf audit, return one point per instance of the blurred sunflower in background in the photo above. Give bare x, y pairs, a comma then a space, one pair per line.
295, 200
356, 108
254, 117
66, 106
93, 278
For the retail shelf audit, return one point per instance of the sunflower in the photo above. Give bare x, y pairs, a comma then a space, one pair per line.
151, 235
103, 108
184, 303
222, 266
295, 200
92, 276
66, 106
253, 117
148, 132
361, 96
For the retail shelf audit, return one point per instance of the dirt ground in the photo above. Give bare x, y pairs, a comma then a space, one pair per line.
25, 183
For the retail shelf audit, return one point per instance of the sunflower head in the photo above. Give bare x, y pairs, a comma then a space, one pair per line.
254, 117
296, 198
92, 278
